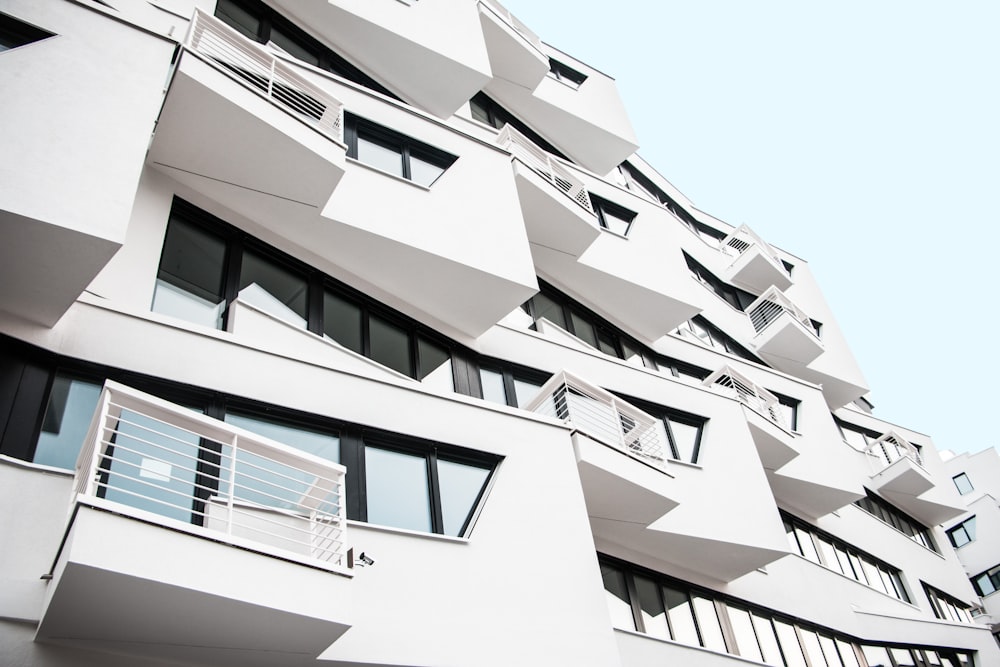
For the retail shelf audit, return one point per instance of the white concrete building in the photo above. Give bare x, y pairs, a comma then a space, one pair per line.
975, 535
355, 332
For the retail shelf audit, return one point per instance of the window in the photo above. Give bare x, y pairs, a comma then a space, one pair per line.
206, 265
682, 431
886, 513
15, 33
392, 480
504, 384
486, 110
566, 74
258, 22
839, 556
963, 533
946, 607
962, 483
734, 296
988, 582
653, 604
789, 408
611, 216
394, 153
712, 336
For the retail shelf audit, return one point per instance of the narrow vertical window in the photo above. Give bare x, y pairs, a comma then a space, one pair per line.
189, 283
962, 483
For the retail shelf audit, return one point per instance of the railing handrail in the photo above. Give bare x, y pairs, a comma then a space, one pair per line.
770, 305
262, 71
749, 393
890, 443
545, 165
518, 26
600, 415
170, 461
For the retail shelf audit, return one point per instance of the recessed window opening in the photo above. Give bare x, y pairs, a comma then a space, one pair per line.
611, 216
394, 153
566, 74
15, 33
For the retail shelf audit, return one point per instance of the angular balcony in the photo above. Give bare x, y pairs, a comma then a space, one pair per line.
245, 128
555, 203
173, 506
756, 266
771, 434
619, 449
431, 54
785, 336
515, 51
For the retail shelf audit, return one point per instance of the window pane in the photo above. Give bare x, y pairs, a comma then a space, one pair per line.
743, 631
768, 640
584, 330
237, 17
525, 391
189, 281
549, 309
460, 486
615, 223
492, 383
342, 321
962, 483
877, 656
323, 445
808, 548
67, 418
435, 365
903, 657
273, 288
826, 551
390, 345
380, 156
397, 490
681, 616
423, 172
654, 616
685, 439
847, 654
810, 642
790, 644
871, 572
708, 623
293, 47
858, 570
606, 343
844, 562
616, 594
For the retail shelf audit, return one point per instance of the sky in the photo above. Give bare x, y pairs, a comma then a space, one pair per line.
862, 136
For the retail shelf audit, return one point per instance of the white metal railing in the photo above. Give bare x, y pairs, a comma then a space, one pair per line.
743, 238
602, 416
152, 458
756, 398
544, 164
511, 20
890, 447
770, 305
255, 66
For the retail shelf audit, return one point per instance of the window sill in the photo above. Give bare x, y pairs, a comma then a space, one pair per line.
405, 532
355, 161
37, 467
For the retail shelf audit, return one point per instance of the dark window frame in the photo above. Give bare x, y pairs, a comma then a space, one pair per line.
497, 116
604, 207
667, 415
562, 72
955, 480
15, 32
963, 527
884, 511
356, 127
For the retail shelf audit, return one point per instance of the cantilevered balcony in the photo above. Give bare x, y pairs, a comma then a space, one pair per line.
756, 266
242, 126
515, 51
771, 434
785, 336
173, 506
554, 202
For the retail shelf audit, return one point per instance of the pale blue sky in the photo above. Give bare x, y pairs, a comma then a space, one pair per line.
861, 136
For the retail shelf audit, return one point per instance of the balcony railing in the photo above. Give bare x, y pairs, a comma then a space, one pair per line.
756, 398
511, 20
890, 447
743, 238
770, 305
541, 162
259, 69
602, 416
158, 461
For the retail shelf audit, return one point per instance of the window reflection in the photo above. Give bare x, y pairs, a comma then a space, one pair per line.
67, 418
397, 489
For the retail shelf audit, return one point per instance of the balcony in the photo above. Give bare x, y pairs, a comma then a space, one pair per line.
515, 51
771, 434
242, 126
554, 202
756, 266
785, 336
173, 506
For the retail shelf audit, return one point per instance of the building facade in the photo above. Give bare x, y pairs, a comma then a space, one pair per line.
355, 332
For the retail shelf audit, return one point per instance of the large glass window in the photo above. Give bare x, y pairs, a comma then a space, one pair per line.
394, 153
190, 281
67, 418
398, 492
274, 288
460, 485
508, 385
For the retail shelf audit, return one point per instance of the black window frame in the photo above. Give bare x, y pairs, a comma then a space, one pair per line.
563, 73
968, 481
356, 127
937, 598
884, 511
497, 116
992, 575
970, 536
793, 404
721, 340
667, 415
604, 207
509, 372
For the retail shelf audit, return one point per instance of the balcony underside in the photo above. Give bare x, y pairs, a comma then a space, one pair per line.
126, 586
755, 272
902, 476
633, 295
512, 57
44, 266
811, 490
225, 140
786, 345
415, 51
930, 508
551, 218
775, 445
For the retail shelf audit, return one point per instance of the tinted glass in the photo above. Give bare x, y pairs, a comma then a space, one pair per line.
435, 365
584, 330
189, 282
460, 486
654, 616
390, 345
549, 309
273, 288
381, 156
67, 418
397, 489
342, 321
237, 17
293, 47
616, 594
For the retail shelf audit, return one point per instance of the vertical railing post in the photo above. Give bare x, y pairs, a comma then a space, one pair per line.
98, 453
230, 501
